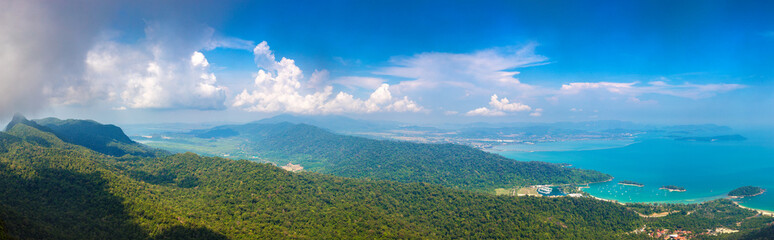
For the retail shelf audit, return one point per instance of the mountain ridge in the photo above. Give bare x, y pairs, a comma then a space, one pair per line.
104, 138
323, 151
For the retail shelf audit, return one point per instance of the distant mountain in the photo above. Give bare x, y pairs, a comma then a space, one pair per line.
698, 129
19, 119
106, 139
450, 165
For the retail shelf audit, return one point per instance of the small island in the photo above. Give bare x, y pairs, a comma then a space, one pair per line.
746, 191
673, 188
631, 183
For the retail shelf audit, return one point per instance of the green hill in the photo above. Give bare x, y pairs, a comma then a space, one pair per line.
69, 192
321, 151
746, 191
102, 138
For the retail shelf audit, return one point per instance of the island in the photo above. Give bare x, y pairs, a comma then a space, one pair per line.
672, 188
631, 183
746, 191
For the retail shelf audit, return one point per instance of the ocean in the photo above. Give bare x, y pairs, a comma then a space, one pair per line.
707, 170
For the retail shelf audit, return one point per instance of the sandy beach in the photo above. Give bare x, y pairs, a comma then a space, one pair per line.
762, 212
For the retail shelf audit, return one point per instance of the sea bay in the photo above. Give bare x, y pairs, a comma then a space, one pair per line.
708, 170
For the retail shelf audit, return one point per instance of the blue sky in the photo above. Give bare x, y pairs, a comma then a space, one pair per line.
422, 61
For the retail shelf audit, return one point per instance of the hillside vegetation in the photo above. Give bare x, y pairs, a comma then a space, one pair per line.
55, 190
102, 138
321, 151
745, 191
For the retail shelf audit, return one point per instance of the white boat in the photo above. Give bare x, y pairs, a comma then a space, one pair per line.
544, 190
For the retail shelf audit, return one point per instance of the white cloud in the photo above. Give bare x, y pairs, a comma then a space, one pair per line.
404, 105
198, 60
483, 111
278, 88
576, 87
360, 82
685, 90
537, 113
505, 105
479, 71
499, 107
318, 78
158, 73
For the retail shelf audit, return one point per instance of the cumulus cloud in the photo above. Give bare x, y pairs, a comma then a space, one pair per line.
160, 72
498, 107
505, 105
278, 88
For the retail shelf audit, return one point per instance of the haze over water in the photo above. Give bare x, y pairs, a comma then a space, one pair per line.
708, 170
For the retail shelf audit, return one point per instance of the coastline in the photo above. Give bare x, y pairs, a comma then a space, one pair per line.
648, 193
759, 211
607, 200
762, 212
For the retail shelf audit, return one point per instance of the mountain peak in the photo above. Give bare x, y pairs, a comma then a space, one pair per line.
20, 119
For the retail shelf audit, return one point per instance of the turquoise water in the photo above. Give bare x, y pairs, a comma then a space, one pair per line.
708, 170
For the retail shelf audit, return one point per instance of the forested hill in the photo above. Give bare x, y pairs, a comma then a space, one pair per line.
103, 138
53, 190
449, 165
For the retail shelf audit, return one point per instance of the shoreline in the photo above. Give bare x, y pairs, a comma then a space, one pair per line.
759, 211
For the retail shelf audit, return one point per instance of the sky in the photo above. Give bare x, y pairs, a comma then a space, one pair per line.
672, 62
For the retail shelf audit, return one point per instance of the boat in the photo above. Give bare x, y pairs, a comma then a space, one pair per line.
544, 190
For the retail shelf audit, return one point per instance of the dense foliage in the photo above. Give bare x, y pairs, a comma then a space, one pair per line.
55, 190
444, 164
103, 138
745, 191
60, 191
